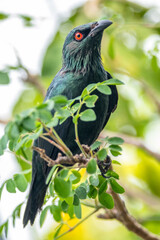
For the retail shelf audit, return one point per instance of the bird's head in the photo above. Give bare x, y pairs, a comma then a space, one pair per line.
82, 46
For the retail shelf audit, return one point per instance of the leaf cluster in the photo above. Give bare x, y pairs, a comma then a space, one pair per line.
68, 187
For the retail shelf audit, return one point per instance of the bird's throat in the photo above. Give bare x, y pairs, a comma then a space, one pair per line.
83, 62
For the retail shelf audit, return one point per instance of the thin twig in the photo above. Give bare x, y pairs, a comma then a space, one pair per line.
76, 225
4, 121
62, 160
135, 193
32, 79
121, 213
24, 159
52, 142
57, 139
151, 94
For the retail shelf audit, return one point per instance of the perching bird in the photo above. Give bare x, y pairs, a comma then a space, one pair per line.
81, 66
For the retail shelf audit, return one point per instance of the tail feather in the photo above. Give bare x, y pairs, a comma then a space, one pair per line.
35, 200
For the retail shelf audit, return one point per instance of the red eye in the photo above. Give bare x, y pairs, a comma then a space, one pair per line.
78, 36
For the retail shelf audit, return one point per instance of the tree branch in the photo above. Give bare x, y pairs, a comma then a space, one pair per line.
34, 80
151, 94
121, 213
63, 160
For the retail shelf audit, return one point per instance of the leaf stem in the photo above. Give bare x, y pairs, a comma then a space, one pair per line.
76, 130
58, 140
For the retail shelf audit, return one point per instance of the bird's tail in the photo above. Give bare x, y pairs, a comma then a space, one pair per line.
36, 197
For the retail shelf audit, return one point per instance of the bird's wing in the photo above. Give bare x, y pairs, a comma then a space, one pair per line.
40, 168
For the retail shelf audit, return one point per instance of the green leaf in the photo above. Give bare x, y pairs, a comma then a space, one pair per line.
75, 107
3, 16
115, 148
60, 101
84, 93
13, 131
71, 211
115, 153
90, 100
10, 186
63, 114
111, 173
28, 143
103, 187
20, 182
20, 143
4, 141
43, 215
88, 115
102, 154
77, 177
81, 192
92, 166
12, 144
64, 206
62, 187
101, 179
29, 123
56, 212
92, 192
51, 189
1, 189
116, 162
78, 211
6, 228
76, 200
115, 141
44, 115
1, 148
91, 86
50, 174
4, 78
104, 89
53, 122
58, 229
94, 180
16, 213
106, 200
114, 82
95, 145
69, 200
63, 173
116, 187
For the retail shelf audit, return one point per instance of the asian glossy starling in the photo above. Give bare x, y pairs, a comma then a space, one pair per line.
81, 66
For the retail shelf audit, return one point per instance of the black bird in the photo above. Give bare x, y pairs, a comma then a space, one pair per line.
81, 66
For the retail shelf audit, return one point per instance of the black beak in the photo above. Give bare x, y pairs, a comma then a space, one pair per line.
99, 27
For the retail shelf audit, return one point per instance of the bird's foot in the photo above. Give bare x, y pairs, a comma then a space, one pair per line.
104, 166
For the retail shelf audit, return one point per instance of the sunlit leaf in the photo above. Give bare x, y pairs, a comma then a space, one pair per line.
88, 115
106, 200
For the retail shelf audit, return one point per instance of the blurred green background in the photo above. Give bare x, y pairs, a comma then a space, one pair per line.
130, 52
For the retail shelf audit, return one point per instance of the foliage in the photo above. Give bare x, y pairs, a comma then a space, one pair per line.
126, 56
68, 190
